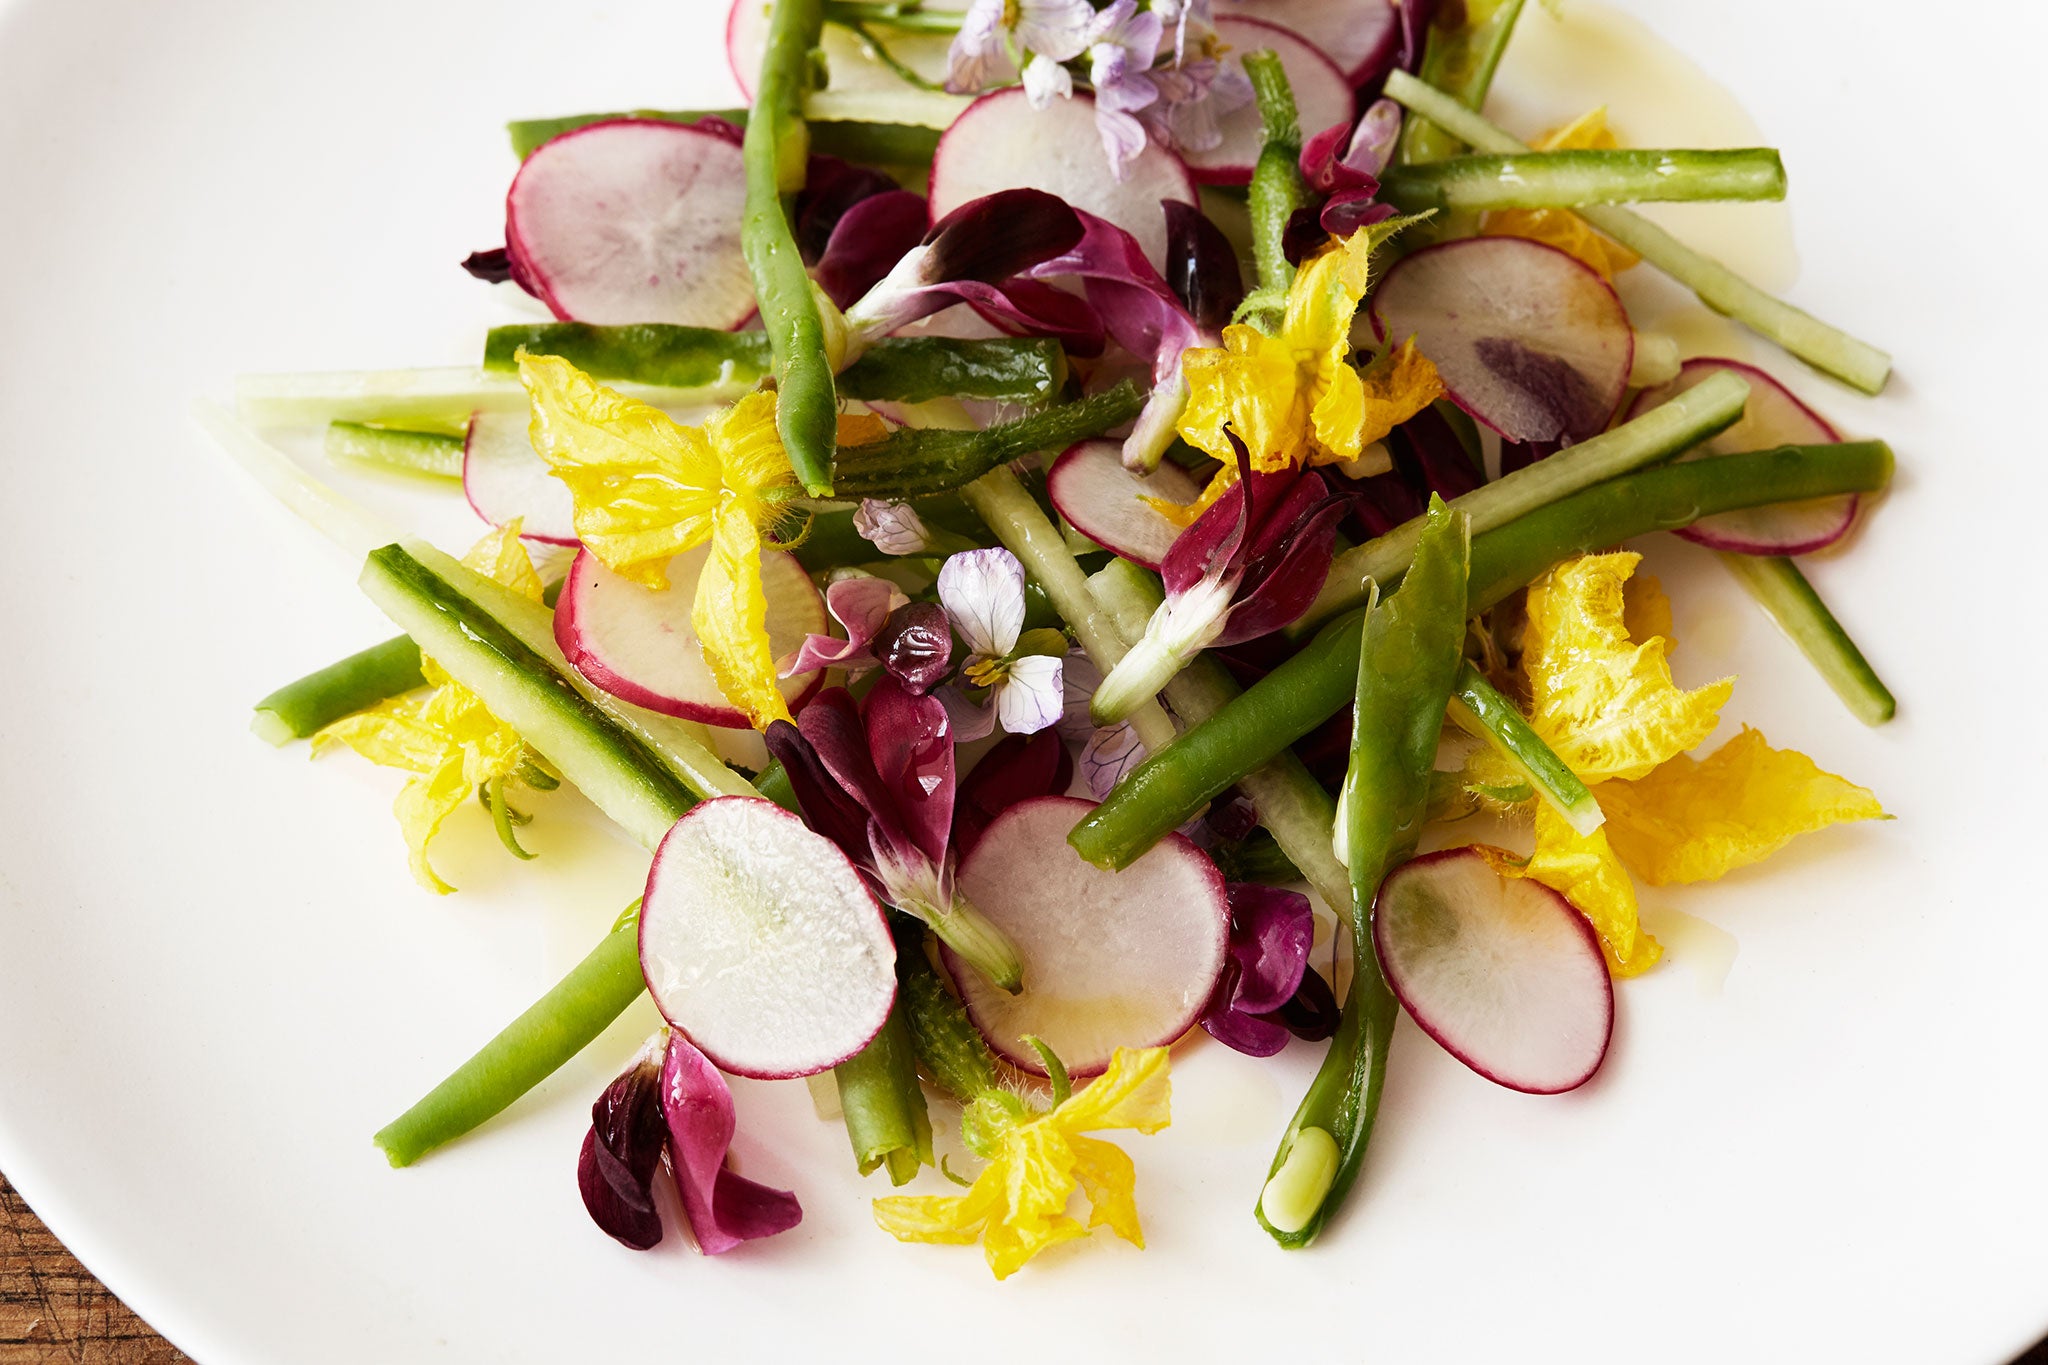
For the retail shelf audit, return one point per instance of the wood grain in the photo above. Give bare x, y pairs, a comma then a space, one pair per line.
52, 1309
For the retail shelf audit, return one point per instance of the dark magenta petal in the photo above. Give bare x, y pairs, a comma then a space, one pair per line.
1304, 234
1271, 932
1431, 456
827, 808
1416, 16
1282, 582
1201, 267
916, 646
832, 187
1027, 307
1135, 305
1231, 817
833, 725
1349, 210
1216, 541
1000, 235
866, 242
1019, 768
492, 267
911, 740
1319, 157
724, 1209
1253, 1036
621, 1152
1313, 1013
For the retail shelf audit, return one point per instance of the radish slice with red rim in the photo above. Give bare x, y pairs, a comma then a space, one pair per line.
1322, 97
1105, 501
1001, 143
1111, 959
1773, 417
761, 942
1502, 970
1528, 339
637, 643
505, 478
1359, 37
633, 220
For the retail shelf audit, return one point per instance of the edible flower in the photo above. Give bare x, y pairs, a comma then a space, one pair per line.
1293, 397
877, 778
1123, 43
670, 1099
1607, 704
861, 604
448, 739
647, 488
894, 528
1562, 228
1343, 163
1017, 1206
983, 594
1017, 768
1041, 34
1251, 564
1271, 932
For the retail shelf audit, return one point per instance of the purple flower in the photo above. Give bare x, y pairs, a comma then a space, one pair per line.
1343, 164
670, 1101
1267, 991
1017, 769
861, 604
1193, 97
983, 593
1107, 752
1120, 53
878, 780
894, 528
1053, 30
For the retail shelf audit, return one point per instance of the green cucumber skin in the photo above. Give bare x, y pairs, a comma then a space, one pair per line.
433, 453
1576, 178
1778, 586
600, 759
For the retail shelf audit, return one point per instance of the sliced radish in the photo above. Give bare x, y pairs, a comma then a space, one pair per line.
1002, 143
760, 941
1359, 36
637, 643
1773, 417
848, 67
1111, 959
1502, 970
1106, 502
1528, 339
503, 478
1322, 97
633, 220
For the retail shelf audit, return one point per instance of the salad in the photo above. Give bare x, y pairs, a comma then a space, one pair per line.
1036, 524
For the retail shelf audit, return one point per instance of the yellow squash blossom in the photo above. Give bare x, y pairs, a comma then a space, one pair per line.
1603, 697
1562, 228
647, 488
447, 739
1293, 398
1017, 1207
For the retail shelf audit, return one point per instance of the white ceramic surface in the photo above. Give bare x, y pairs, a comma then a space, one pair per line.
216, 978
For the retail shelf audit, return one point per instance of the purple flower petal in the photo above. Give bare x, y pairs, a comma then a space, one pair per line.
1430, 455
1024, 307
911, 740
894, 528
1271, 932
1313, 1013
1132, 301
916, 646
832, 724
1045, 80
867, 242
827, 806
861, 606
1017, 769
1253, 1036
1111, 752
1348, 211
1078, 680
971, 719
832, 188
1201, 267
983, 593
725, 1209
1416, 16
977, 57
1030, 697
622, 1150
1288, 561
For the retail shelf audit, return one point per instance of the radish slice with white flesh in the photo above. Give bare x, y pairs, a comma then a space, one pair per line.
1111, 959
1359, 36
762, 943
1105, 501
1773, 417
1002, 143
633, 220
637, 643
1502, 970
1529, 340
1322, 97
849, 70
505, 478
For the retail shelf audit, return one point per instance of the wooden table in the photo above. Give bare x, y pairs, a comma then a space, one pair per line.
52, 1309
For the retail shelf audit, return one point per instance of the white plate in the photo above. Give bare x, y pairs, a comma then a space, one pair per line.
216, 978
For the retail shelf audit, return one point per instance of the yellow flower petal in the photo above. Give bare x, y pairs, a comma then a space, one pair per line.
1607, 705
730, 615
646, 488
1583, 869
501, 557
1135, 1092
1697, 820
1646, 611
1109, 1180
1393, 388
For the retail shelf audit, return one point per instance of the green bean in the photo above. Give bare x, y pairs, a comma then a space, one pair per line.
776, 150
1485, 714
887, 144
915, 462
882, 1105
298, 709
1408, 655
1463, 51
1575, 178
526, 1051
1826, 348
1788, 599
1169, 788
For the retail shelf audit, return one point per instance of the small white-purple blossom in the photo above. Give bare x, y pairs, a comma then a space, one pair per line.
894, 528
995, 32
983, 594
